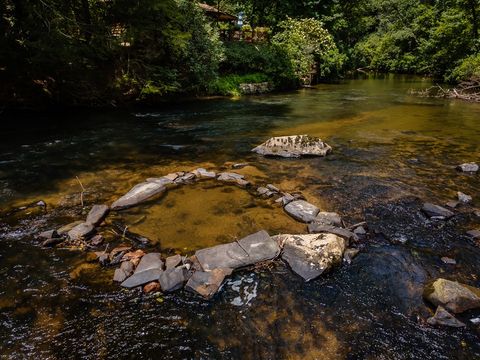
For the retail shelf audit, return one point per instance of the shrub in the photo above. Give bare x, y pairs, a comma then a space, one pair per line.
229, 84
468, 68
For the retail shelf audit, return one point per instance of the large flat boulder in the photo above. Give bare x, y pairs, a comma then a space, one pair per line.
97, 214
310, 255
452, 295
293, 146
207, 283
247, 251
138, 194
302, 210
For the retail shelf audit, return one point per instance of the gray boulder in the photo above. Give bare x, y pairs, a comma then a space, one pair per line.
468, 167
208, 283
149, 261
97, 214
302, 210
247, 251
293, 146
452, 295
443, 318
172, 279
231, 177
138, 194
475, 234
432, 210
310, 255
201, 173
142, 278
464, 198
81, 231
173, 261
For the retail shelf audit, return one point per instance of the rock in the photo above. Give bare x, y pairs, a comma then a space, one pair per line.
247, 251
265, 192
360, 231
232, 177
187, 178
138, 194
452, 204
468, 167
103, 257
150, 261
207, 283
452, 295
164, 181
475, 234
310, 255
476, 213
464, 198
133, 256
302, 211
142, 277
314, 228
52, 241
273, 188
124, 271
448, 260
239, 165
349, 254
444, 318
173, 261
202, 173
255, 88
328, 218
172, 177
172, 279
242, 183
475, 321
435, 210
66, 228
49, 234
81, 231
151, 287
97, 214
293, 146
285, 199
96, 240
117, 253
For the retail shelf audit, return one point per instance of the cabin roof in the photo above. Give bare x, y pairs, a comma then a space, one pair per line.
214, 12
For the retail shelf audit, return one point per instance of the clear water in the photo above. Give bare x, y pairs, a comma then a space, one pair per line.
392, 151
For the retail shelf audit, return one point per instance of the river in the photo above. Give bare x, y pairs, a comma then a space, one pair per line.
392, 152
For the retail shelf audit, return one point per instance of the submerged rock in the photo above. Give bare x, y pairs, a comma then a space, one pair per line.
49, 234
435, 210
468, 167
231, 177
349, 254
96, 240
293, 146
452, 204
475, 234
449, 261
201, 173
443, 318
247, 251
172, 279
302, 210
464, 198
207, 283
97, 214
138, 194
310, 255
80, 231
452, 295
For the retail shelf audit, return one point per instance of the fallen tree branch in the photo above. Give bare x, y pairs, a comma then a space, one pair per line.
83, 190
466, 90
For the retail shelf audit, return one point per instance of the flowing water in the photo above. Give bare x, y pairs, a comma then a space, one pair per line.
392, 151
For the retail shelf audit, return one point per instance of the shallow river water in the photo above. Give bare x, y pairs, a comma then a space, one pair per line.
392, 152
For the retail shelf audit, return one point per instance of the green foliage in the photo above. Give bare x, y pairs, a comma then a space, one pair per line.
229, 84
468, 68
307, 44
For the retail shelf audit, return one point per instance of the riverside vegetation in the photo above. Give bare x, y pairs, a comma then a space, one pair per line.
98, 53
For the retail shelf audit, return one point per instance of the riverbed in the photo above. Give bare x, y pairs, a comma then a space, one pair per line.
391, 152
